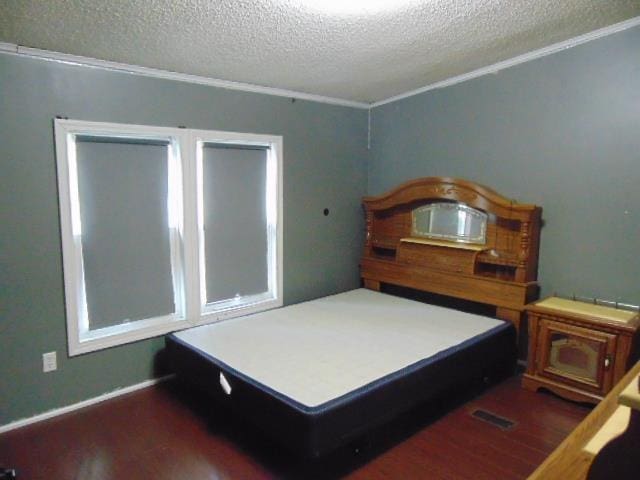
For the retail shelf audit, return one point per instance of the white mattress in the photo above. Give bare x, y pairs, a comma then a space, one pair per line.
316, 351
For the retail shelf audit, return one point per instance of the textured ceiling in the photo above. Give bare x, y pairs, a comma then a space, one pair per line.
292, 44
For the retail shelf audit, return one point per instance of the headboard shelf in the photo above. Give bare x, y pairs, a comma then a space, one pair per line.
500, 258
489, 256
445, 244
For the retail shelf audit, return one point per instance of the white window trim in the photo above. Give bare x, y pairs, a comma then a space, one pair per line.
272, 298
186, 247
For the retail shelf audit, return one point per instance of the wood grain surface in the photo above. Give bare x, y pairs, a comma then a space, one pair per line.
168, 432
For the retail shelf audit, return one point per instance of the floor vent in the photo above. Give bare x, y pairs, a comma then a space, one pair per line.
500, 422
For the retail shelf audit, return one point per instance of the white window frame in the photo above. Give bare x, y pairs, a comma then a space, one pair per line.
186, 235
272, 297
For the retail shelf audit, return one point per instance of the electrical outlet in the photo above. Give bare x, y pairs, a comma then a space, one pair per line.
49, 362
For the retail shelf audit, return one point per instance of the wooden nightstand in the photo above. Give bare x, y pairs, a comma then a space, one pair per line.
578, 350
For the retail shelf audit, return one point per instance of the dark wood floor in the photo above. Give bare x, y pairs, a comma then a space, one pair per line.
167, 432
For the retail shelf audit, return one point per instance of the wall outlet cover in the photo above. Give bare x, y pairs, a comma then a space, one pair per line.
49, 362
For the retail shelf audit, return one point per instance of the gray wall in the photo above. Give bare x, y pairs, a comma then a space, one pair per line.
562, 132
324, 166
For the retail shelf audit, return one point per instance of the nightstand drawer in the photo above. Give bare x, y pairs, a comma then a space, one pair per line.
578, 356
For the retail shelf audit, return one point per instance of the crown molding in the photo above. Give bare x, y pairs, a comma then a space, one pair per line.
168, 75
527, 57
14, 49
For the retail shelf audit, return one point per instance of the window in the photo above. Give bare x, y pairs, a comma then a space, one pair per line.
165, 228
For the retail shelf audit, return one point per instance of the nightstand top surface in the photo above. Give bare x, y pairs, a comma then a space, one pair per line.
582, 308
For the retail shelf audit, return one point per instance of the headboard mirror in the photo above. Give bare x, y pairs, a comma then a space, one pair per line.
452, 221
456, 238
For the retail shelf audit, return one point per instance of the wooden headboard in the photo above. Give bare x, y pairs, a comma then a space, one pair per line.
501, 271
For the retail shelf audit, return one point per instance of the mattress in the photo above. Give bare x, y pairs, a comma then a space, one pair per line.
317, 374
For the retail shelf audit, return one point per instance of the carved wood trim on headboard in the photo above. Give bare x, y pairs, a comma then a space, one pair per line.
501, 273
446, 188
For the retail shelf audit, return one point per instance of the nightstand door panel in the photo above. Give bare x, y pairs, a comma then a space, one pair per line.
577, 355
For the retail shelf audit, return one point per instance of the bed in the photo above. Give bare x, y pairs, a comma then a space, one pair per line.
317, 375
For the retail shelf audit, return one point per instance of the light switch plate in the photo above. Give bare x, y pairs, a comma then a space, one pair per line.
49, 362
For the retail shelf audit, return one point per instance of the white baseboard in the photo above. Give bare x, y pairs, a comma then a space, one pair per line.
100, 398
85, 403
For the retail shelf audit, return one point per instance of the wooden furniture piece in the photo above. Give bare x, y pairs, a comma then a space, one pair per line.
578, 350
494, 264
616, 453
588, 452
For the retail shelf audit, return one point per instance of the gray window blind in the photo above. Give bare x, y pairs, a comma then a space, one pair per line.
123, 187
235, 221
